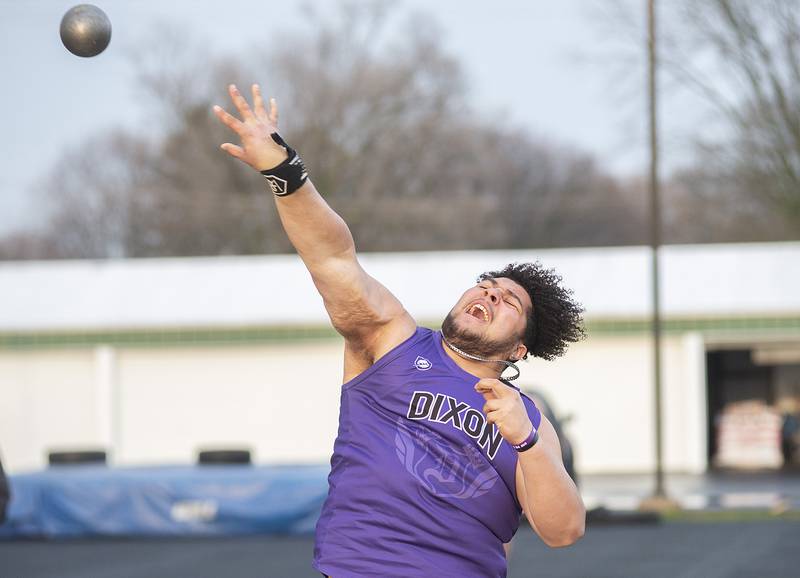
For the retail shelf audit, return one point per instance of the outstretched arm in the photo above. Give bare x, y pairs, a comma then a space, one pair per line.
370, 318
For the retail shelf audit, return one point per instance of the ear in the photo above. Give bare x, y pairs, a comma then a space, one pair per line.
519, 352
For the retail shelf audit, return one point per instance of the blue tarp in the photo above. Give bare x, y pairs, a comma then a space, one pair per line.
193, 500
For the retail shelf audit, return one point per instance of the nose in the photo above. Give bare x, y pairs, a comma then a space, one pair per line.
493, 294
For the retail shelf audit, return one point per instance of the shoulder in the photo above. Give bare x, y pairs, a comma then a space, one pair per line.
360, 355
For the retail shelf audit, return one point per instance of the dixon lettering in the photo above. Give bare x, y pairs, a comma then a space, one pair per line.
443, 409
420, 406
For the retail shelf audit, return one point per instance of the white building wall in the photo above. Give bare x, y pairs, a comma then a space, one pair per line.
280, 401
604, 383
684, 404
155, 404
47, 401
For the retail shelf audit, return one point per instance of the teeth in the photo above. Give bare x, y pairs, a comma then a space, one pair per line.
482, 309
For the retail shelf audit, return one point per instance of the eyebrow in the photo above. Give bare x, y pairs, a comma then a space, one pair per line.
509, 291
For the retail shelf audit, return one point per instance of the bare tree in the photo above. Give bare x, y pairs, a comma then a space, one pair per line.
740, 57
754, 48
90, 190
28, 245
380, 114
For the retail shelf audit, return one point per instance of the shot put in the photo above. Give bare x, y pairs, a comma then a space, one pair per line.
85, 30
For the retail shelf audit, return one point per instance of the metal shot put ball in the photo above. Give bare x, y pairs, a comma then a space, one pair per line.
85, 30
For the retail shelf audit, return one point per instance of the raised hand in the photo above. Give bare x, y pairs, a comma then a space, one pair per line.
505, 409
255, 128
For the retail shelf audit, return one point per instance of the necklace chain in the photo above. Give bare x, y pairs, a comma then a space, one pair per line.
477, 358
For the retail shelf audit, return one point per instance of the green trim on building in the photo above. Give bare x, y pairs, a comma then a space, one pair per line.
165, 338
682, 325
258, 335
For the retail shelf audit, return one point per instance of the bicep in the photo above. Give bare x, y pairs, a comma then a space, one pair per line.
360, 308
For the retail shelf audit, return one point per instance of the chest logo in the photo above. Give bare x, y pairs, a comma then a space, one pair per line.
442, 468
422, 364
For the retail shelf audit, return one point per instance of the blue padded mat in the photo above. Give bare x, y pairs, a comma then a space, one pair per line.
71, 501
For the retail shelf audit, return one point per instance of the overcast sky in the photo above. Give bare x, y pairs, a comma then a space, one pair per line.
542, 66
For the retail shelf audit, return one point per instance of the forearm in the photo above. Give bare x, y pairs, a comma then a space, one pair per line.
554, 505
356, 303
315, 230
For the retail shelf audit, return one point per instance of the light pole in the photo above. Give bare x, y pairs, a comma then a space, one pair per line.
659, 499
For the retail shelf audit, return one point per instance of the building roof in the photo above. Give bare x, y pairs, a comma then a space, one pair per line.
696, 280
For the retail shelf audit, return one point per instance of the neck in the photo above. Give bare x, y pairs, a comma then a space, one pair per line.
477, 368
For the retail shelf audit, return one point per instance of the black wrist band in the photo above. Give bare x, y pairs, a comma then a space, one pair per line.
288, 176
529, 442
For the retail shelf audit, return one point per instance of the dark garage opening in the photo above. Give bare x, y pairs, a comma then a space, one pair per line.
738, 378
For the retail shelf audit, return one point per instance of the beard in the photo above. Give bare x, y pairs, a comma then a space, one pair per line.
475, 343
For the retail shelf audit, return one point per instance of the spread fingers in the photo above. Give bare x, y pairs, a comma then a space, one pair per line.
273, 111
233, 150
228, 119
240, 103
258, 102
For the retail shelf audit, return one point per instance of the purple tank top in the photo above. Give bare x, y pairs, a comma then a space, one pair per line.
420, 484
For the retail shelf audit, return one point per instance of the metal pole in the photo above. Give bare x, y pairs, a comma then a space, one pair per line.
655, 239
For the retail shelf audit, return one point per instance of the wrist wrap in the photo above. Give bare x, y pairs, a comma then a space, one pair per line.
528, 443
288, 176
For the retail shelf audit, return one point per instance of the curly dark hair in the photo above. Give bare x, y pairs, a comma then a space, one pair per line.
555, 320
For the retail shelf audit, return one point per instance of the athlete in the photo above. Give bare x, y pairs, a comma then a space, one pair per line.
436, 455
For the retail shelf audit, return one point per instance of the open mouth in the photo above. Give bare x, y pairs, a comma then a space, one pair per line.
479, 312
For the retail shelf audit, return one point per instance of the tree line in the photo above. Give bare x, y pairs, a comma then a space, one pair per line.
380, 113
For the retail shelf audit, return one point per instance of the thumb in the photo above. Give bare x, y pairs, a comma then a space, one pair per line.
233, 150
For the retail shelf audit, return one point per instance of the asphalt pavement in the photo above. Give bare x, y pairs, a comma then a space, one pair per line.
763, 549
